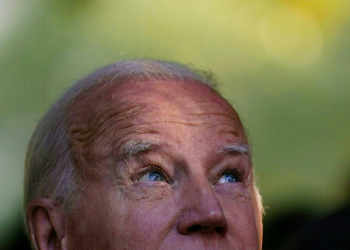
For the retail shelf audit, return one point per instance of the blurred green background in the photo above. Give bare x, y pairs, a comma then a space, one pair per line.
283, 64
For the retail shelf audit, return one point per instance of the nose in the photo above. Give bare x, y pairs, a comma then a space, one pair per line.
202, 212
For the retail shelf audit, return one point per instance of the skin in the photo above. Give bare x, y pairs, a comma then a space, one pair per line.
191, 207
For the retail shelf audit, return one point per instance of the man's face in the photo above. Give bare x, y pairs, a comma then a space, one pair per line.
165, 166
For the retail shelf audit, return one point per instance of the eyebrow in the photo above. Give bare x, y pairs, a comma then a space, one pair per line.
134, 147
237, 148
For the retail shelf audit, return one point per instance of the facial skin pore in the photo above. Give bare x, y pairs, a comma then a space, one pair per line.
165, 166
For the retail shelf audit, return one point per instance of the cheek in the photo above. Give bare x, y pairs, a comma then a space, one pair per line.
243, 218
148, 221
111, 218
94, 222
238, 191
148, 225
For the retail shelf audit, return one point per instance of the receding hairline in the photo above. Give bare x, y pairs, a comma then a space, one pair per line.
145, 70
137, 71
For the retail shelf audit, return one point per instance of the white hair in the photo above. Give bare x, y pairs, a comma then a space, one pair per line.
50, 168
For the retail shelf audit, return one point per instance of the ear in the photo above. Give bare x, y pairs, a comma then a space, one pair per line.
47, 224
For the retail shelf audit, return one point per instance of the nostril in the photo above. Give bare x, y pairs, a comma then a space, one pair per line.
220, 230
206, 229
195, 228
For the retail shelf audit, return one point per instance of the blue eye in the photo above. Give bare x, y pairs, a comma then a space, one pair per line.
152, 176
228, 178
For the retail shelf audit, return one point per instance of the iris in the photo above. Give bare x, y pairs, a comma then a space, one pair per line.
228, 178
154, 176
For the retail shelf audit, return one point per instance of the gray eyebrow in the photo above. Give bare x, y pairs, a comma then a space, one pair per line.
134, 147
240, 148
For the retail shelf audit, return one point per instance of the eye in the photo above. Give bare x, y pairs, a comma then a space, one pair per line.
152, 176
228, 178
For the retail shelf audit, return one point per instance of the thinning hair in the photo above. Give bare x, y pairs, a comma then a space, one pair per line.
50, 168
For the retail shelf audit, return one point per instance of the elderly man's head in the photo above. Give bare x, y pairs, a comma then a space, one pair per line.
141, 155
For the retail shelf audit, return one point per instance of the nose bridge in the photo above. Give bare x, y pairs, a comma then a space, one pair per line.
201, 195
201, 210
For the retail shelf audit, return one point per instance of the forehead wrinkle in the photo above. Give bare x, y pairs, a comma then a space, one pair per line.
86, 131
187, 123
185, 118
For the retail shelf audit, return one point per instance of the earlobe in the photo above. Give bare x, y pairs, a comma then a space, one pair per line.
46, 222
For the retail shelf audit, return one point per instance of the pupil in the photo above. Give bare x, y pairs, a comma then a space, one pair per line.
231, 178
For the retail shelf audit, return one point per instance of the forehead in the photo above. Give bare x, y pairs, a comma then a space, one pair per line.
116, 112
172, 97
